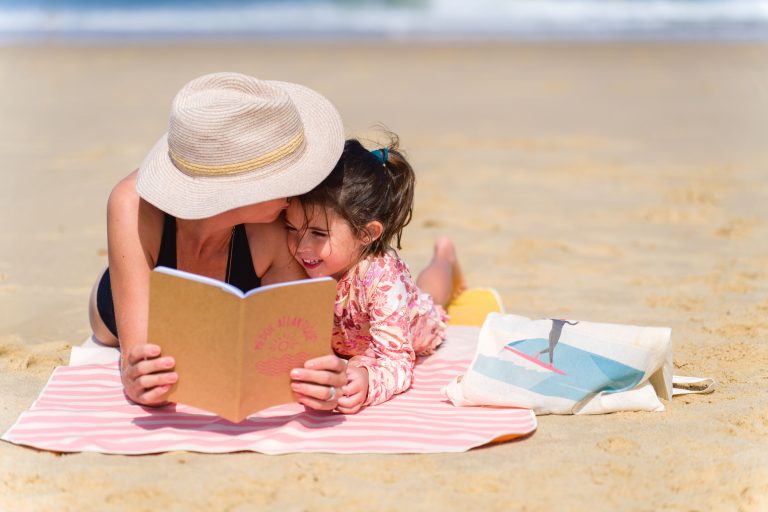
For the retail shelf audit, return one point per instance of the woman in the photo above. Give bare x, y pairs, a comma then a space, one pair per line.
206, 200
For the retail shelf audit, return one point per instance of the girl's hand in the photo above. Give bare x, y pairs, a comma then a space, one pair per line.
318, 385
356, 390
146, 376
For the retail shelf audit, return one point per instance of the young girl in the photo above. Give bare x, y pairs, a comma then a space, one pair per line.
345, 228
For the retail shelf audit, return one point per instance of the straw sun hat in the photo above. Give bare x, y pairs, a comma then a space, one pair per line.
234, 140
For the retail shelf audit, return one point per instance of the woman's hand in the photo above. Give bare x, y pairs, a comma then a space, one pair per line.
318, 385
356, 390
147, 377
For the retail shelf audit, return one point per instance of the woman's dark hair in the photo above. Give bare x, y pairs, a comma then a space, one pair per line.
366, 186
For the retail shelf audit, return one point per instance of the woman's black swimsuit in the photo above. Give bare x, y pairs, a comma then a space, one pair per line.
240, 270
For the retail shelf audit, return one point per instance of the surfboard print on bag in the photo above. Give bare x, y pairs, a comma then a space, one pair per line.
557, 366
573, 374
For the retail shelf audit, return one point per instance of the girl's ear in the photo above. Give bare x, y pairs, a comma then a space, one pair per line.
373, 231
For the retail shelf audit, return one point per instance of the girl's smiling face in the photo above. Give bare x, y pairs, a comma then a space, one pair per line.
321, 241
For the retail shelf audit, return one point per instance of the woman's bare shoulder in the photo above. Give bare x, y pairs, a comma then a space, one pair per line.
129, 216
272, 260
125, 189
125, 200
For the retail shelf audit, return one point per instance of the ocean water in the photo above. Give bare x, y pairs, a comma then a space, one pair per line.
385, 19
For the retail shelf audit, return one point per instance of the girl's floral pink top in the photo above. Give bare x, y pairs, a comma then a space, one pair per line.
383, 321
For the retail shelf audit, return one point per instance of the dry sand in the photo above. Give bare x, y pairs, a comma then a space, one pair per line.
617, 183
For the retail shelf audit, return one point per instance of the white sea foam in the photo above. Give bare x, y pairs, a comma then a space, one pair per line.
429, 19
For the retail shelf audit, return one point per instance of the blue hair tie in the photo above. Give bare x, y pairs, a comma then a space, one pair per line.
382, 154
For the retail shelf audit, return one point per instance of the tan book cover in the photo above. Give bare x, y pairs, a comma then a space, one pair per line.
234, 351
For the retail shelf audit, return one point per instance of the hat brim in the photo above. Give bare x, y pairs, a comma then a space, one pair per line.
195, 197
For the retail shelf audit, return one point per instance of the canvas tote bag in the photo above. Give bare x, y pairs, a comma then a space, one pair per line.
558, 366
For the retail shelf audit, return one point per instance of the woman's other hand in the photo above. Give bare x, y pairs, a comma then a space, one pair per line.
356, 390
147, 377
318, 385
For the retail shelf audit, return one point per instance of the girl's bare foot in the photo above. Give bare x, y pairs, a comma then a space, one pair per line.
442, 278
445, 251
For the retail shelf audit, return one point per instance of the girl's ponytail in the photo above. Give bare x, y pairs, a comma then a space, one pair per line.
399, 194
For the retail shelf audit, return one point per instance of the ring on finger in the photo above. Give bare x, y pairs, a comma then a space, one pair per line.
332, 394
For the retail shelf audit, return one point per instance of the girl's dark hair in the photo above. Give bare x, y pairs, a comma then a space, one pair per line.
363, 188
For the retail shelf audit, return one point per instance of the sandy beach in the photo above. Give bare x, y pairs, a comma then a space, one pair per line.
607, 182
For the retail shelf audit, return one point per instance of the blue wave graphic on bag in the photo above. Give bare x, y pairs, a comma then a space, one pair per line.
574, 374
558, 366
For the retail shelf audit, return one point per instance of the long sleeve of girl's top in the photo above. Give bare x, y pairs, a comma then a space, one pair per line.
390, 358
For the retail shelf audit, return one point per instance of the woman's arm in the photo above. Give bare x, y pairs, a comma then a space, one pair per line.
134, 229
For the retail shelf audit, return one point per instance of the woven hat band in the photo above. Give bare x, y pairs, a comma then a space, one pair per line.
253, 164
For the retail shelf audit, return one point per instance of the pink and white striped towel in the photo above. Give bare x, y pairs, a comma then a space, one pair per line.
83, 408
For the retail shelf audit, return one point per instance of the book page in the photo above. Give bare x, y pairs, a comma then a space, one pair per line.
199, 326
284, 327
201, 279
233, 354
265, 288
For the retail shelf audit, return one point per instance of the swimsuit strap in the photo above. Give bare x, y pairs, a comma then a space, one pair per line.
240, 271
167, 255
240, 264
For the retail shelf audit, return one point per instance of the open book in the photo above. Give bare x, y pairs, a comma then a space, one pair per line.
234, 351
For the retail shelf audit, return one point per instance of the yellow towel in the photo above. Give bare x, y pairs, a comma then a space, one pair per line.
473, 305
